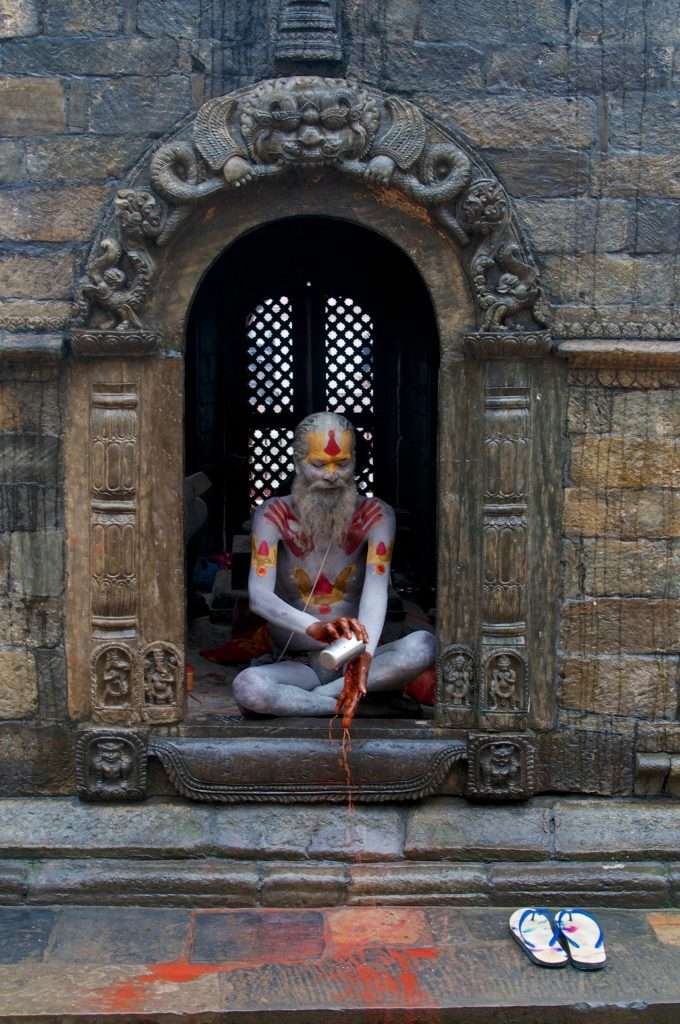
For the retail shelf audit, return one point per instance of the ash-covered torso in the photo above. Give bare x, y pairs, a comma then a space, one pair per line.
322, 579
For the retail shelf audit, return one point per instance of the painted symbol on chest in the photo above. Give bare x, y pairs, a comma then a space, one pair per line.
325, 594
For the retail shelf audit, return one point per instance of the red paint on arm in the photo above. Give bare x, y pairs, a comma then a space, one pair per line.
366, 516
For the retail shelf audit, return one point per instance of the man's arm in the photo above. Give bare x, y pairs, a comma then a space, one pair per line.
262, 579
373, 604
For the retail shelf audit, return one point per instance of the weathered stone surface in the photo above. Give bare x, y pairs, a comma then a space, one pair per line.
651, 772
37, 563
29, 459
177, 18
36, 759
515, 122
646, 121
673, 780
541, 172
18, 684
18, 18
589, 411
142, 883
558, 884
604, 279
36, 277
81, 157
610, 625
642, 687
30, 506
615, 462
33, 622
645, 414
586, 756
132, 935
11, 162
13, 881
575, 226
57, 215
500, 22
657, 225
657, 736
439, 69
31, 106
146, 106
31, 406
586, 830
401, 18
30, 315
82, 16
303, 885
451, 829
98, 56
579, 69
633, 174
620, 513
322, 833
457, 884
625, 567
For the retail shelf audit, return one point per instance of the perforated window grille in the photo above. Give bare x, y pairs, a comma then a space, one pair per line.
276, 368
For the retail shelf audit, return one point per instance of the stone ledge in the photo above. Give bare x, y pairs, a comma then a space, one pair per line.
624, 354
45, 348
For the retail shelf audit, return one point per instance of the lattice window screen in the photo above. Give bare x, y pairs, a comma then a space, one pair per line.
270, 459
270, 357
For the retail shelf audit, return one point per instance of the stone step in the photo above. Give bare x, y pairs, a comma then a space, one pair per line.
351, 965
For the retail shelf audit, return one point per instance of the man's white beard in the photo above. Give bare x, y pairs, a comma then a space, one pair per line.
325, 514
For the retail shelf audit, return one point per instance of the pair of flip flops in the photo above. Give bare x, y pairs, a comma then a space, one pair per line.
555, 940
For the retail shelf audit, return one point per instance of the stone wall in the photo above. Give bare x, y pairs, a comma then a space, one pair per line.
577, 109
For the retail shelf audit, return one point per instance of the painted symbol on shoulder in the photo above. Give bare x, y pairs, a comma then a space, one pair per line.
365, 517
380, 556
263, 556
280, 514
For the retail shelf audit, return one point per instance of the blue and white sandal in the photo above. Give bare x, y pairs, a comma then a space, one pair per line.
535, 930
582, 938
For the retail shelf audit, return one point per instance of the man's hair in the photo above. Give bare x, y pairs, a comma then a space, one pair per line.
319, 422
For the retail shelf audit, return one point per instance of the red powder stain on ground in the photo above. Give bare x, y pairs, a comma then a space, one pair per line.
129, 995
388, 979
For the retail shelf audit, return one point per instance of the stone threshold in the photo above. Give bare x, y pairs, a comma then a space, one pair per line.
228, 883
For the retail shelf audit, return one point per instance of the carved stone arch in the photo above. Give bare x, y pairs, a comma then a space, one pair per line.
323, 147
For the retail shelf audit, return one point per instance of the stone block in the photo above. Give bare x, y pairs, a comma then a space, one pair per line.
451, 829
516, 122
574, 226
143, 106
29, 459
31, 106
653, 737
13, 882
640, 687
30, 506
641, 120
588, 70
25, 934
611, 23
580, 884
34, 623
494, 21
54, 215
37, 564
52, 695
36, 759
412, 883
615, 462
609, 279
638, 174
630, 567
621, 626
180, 19
437, 68
318, 833
89, 56
646, 414
620, 513
590, 755
589, 410
18, 18
28, 315
651, 772
133, 935
548, 173
657, 226
36, 277
143, 883
81, 16
673, 779
619, 830
81, 157
18, 684
30, 406
11, 162
246, 935
401, 18
303, 885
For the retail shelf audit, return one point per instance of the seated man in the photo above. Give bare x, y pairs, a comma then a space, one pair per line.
320, 570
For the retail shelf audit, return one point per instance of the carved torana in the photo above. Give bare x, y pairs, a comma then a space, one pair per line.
111, 766
500, 768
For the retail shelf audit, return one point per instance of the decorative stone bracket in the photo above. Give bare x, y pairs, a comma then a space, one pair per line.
306, 124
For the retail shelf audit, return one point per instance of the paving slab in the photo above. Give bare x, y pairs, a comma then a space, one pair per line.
405, 965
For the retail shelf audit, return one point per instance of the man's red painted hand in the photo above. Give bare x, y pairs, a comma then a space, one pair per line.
354, 688
328, 632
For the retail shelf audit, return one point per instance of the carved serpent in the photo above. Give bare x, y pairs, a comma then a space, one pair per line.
431, 187
166, 165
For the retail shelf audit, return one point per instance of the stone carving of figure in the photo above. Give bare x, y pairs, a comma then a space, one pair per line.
320, 570
458, 679
160, 676
115, 676
500, 765
112, 764
503, 685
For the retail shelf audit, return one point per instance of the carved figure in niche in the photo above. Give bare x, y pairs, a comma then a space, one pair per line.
111, 766
112, 672
320, 571
458, 673
161, 674
500, 765
503, 683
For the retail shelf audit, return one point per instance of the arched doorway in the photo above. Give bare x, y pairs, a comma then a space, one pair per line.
301, 314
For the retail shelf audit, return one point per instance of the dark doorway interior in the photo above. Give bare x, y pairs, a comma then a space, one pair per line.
304, 314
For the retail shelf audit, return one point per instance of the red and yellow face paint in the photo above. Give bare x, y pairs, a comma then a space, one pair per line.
263, 556
323, 447
380, 556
